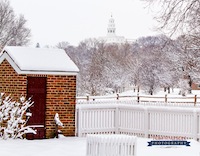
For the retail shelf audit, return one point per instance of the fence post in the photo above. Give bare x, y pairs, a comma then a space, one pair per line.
88, 98
195, 100
117, 96
195, 125
165, 98
76, 121
117, 120
138, 98
146, 122
79, 122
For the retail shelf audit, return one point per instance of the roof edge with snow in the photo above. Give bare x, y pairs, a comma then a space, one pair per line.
7, 55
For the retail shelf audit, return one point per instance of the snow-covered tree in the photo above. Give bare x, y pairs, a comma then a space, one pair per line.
63, 45
117, 68
12, 117
150, 62
188, 60
154, 67
149, 76
96, 77
184, 87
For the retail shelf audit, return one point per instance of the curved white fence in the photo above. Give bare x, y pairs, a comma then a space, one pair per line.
142, 121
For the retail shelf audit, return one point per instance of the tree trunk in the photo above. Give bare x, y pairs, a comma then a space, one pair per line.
151, 91
168, 88
190, 84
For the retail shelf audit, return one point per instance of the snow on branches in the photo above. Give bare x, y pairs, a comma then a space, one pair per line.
12, 115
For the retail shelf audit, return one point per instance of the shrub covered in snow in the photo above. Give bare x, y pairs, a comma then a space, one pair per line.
12, 117
58, 123
57, 120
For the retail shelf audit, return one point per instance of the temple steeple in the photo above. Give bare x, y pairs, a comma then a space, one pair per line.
111, 27
111, 37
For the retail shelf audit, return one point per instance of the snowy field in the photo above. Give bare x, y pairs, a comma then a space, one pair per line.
74, 146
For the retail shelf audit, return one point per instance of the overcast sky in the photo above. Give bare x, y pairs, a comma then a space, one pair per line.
53, 21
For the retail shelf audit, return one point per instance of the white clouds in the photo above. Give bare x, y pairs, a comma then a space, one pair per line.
74, 20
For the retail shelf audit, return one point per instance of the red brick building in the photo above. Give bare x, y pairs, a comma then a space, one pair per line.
49, 77
195, 86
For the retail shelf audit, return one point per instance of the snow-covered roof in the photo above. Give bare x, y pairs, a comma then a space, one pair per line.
26, 60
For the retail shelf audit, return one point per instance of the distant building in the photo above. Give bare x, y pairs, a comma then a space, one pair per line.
111, 36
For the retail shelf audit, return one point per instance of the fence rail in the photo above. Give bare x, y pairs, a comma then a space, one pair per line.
139, 120
143, 98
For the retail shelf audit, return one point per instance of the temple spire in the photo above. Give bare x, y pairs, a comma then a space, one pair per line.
111, 27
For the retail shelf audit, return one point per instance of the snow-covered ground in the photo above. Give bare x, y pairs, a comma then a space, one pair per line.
74, 146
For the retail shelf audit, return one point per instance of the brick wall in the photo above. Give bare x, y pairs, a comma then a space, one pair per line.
60, 98
11, 82
61, 95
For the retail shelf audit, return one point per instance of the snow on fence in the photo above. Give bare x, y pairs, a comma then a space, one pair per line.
133, 102
111, 145
192, 99
138, 120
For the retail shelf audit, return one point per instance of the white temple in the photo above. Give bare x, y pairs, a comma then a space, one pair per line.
111, 37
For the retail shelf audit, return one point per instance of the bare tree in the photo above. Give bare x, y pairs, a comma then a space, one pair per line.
179, 16
62, 45
12, 28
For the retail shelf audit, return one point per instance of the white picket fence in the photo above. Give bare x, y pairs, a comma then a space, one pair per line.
111, 145
138, 120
